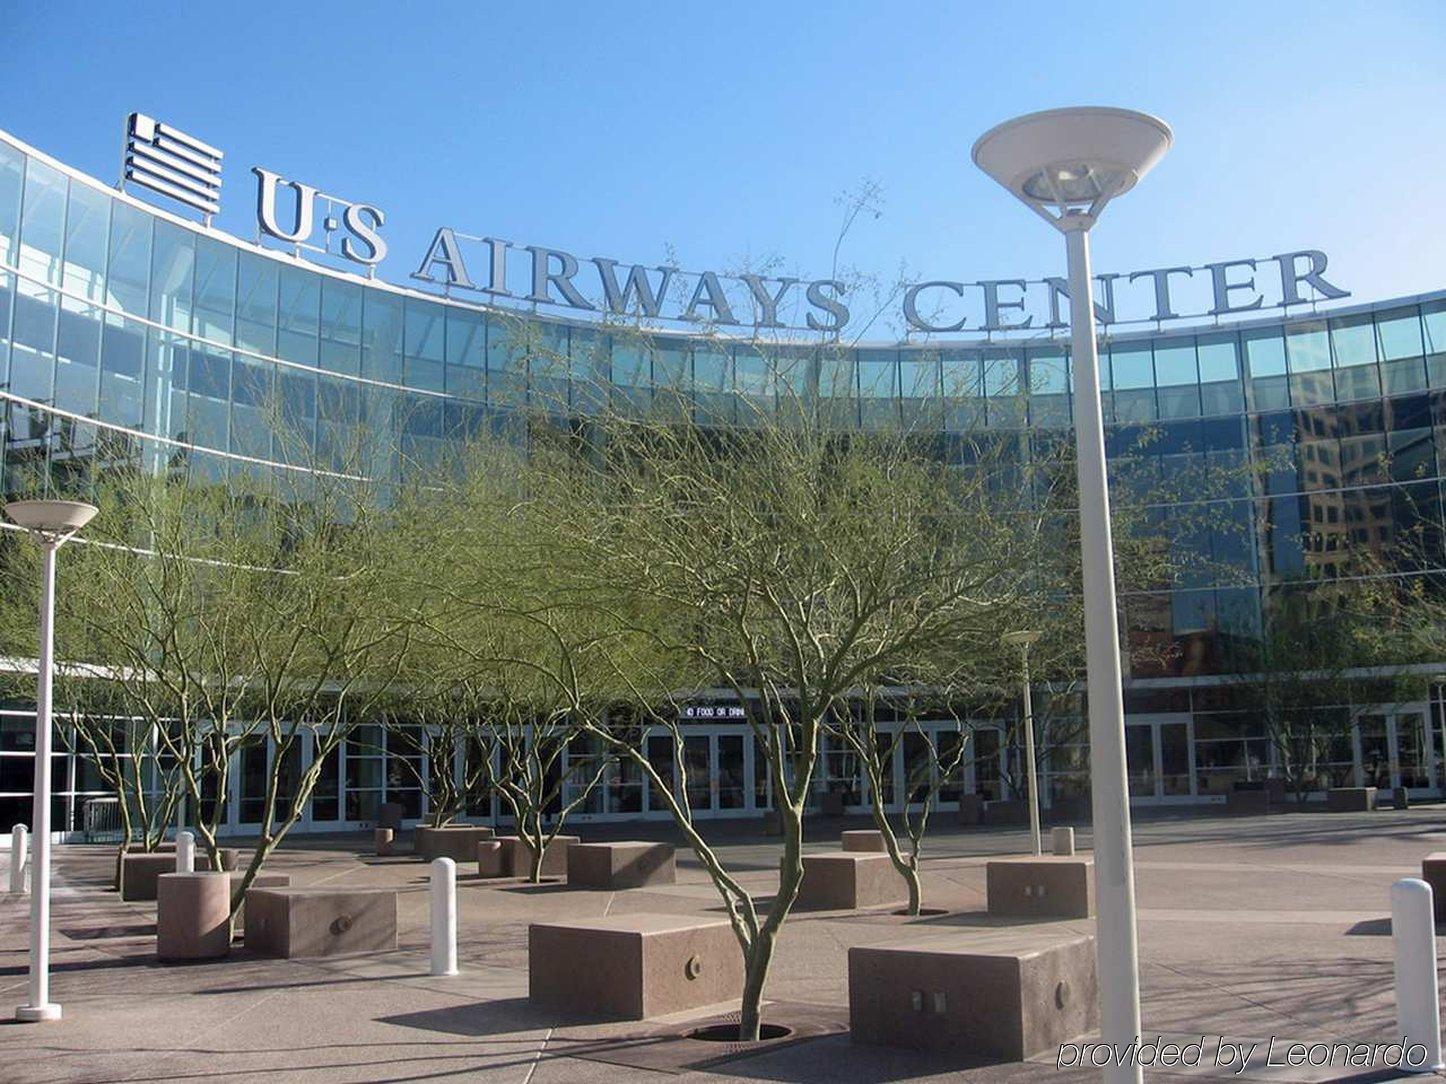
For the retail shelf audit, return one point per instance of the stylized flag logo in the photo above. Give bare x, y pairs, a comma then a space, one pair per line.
170, 162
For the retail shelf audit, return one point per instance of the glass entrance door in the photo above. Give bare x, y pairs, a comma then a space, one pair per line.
1160, 759
1395, 748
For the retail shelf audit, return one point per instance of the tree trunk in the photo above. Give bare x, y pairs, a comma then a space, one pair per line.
916, 888
757, 961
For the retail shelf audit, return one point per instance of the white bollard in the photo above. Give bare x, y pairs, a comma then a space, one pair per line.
444, 916
1062, 840
185, 852
19, 857
1418, 1006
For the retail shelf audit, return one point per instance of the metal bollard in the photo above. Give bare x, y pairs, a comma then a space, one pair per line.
19, 857
1062, 840
185, 852
1418, 1006
444, 916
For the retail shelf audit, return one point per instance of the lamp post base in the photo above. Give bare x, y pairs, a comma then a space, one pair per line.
36, 1014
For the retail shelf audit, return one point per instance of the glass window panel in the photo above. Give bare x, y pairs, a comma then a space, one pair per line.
1175, 373
12, 181
341, 316
1048, 372
173, 260
1265, 362
129, 275
1433, 325
42, 222
1132, 377
256, 285
87, 225
33, 341
77, 349
299, 310
215, 293
1220, 389
961, 378
425, 330
1399, 334
382, 337
1005, 388
1353, 345
122, 365
1308, 352
878, 375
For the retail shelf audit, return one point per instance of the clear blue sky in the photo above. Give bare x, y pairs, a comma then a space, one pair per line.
729, 130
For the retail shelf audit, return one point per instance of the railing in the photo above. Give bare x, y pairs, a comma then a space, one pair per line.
100, 820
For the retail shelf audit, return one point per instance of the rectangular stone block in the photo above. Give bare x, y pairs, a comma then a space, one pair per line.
637, 966
519, 856
140, 870
866, 840
1433, 872
613, 866
292, 922
849, 882
384, 841
1350, 799
1000, 995
491, 858
193, 916
456, 841
1061, 841
1042, 887
262, 880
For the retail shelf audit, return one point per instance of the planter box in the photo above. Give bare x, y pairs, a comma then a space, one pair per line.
863, 840
1002, 995
1350, 799
636, 966
456, 841
519, 856
140, 871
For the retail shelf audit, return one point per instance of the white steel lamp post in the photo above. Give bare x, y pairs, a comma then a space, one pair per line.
1066, 165
1022, 640
51, 523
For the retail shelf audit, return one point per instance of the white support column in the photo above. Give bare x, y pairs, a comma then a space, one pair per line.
1116, 943
185, 852
39, 1006
443, 893
19, 857
1418, 1003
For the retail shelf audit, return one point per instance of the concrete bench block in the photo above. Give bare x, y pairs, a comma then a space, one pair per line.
292, 922
491, 858
193, 916
1001, 995
140, 871
637, 966
867, 840
630, 864
848, 882
519, 856
384, 841
1350, 799
1433, 872
456, 841
1043, 887
1061, 841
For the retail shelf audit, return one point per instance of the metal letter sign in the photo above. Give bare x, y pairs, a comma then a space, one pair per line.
309, 220
168, 161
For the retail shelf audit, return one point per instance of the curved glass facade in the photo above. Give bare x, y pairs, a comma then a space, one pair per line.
126, 333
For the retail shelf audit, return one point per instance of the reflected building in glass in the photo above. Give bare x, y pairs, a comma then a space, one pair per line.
128, 334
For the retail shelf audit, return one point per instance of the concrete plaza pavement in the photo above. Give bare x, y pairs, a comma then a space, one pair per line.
1250, 928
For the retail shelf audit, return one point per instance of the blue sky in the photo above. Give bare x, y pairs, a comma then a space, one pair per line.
728, 131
